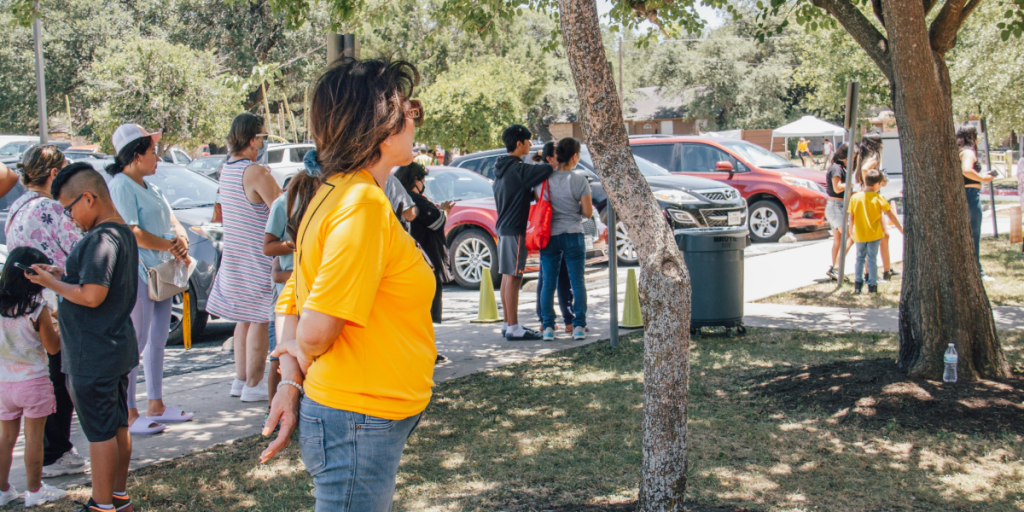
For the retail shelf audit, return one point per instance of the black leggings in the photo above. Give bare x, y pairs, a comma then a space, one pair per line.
435, 307
57, 435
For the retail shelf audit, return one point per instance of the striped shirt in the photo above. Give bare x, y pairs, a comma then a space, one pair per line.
242, 291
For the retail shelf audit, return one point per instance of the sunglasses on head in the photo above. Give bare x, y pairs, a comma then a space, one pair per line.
415, 112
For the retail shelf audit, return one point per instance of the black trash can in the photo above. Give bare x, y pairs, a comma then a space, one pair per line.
714, 258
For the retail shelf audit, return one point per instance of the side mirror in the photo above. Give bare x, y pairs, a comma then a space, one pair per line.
724, 166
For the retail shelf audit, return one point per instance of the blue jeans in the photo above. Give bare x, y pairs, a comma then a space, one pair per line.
572, 248
272, 339
867, 251
974, 208
353, 458
564, 294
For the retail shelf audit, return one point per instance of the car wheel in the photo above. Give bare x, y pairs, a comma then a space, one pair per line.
767, 222
625, 251
471, 252
199, 318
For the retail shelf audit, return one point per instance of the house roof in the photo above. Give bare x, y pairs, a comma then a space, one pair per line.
645, 104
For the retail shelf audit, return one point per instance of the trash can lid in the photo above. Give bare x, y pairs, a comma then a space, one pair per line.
719, 231
712, 239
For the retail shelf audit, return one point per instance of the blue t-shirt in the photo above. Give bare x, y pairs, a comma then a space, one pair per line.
146, 208
277, 223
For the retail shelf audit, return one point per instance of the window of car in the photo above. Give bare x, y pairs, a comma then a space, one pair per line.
456, 185
275, 157
701, 158
486, 167
658, 154
182, 157
757, 156
12, 196
297, 154
184, 188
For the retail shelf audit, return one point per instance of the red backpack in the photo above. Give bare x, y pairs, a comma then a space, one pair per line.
538, 229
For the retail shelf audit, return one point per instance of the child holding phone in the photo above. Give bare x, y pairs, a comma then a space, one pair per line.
26, 336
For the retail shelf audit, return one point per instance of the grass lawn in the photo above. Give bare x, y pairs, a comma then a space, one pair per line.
779, 421
999, 259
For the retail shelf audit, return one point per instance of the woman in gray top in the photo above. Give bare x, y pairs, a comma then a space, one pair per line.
569, 194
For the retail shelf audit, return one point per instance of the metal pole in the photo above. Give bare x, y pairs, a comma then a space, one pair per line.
613, 277
852, 100
37, 33
991, 184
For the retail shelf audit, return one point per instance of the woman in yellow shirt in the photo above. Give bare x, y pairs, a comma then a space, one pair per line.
355, 329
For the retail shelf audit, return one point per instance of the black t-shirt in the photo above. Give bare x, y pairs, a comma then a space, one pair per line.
100, 341
835, 170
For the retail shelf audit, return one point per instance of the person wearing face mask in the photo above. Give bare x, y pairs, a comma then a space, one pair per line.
428, 229
247, 190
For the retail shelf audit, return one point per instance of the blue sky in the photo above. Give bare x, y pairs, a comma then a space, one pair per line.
709, 14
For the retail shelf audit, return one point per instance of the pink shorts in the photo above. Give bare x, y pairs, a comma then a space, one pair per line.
31, 398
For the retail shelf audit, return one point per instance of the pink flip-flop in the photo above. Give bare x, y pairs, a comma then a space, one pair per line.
144, 426
172, 415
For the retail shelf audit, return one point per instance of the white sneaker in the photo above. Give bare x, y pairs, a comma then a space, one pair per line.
9, 495
549, 334
68, 464
236, 387
257, 393
45, 494
75, 458
578, 333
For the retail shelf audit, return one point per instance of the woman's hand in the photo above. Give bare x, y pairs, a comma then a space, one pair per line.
179, 248
284, 411
291, 347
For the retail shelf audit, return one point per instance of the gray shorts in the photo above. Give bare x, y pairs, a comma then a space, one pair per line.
512, 255
834, 213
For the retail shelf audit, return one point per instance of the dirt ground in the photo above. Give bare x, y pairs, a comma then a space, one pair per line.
875, 392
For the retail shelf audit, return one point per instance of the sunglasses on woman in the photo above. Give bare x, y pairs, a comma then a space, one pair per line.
415, 112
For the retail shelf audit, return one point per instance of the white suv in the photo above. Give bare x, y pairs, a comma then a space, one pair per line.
285, 160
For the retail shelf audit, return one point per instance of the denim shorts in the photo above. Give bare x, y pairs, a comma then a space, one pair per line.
834, 213
352, 457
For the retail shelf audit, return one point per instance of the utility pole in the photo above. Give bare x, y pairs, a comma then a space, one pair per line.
852, 104
37, 33
991, 184
341, 45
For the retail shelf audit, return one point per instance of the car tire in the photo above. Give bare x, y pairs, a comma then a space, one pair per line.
624, 249
766, 221
471, 252
199, 319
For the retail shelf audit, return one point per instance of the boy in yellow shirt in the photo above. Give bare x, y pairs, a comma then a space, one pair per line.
866, 210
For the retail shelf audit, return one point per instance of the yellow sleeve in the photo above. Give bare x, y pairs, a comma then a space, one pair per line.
354, 258
286, 301
883, 204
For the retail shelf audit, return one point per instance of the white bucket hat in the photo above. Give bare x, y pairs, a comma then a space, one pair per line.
129, 132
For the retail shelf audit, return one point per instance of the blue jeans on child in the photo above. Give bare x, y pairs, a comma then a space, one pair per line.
571, 247
867, 251
353, 458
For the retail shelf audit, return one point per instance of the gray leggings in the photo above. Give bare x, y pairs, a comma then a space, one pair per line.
152, 321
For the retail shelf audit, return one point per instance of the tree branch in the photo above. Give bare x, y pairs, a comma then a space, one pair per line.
876, 6
947, 24
928, 5
860, 27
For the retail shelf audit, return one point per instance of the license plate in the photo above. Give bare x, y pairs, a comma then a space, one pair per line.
589, 241
735, 218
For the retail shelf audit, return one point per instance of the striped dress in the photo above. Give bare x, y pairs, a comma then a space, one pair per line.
242, 291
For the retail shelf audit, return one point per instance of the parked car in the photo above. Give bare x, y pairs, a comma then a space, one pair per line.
687, 202
781, 196
75, 155
208, 166
285, 160
471, 233
10, 153
192, 197
176, 156
7, 139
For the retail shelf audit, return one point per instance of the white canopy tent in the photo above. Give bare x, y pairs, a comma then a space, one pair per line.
808, 126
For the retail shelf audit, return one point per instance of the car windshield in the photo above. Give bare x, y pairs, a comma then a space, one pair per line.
756, 155
647, 167
207, 162
456, 185
184, 189
15, 148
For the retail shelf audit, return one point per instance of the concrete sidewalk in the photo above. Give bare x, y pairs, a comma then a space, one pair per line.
811, 318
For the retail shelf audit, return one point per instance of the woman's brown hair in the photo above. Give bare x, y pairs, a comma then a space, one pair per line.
37, 162
355, 106
244, 128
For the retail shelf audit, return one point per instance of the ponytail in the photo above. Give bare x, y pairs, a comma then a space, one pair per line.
301, 190
128, 154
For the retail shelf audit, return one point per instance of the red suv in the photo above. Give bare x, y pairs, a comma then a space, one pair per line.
780, 196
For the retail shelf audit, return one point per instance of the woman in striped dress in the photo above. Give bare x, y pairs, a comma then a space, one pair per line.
242, 291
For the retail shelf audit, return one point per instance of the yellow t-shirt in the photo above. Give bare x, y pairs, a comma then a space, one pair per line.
866, 208
354, 261
801, 146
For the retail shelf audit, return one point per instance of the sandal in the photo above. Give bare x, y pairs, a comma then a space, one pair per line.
172, 415
145, 428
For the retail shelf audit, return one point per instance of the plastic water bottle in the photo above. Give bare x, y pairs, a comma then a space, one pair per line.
180, 267
950, 359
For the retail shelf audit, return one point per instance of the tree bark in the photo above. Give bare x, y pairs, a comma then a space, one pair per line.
664, 281
942, 300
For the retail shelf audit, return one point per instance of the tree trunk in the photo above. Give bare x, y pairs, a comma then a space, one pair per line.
943, 300
664, 282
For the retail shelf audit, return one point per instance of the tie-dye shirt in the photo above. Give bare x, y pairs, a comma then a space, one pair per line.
22, 356
38, 221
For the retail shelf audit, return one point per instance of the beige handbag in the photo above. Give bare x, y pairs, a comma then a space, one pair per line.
161, 280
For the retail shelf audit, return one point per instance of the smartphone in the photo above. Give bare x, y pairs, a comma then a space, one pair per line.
27, 269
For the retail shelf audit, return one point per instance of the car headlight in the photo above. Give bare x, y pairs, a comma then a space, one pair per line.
802, 183
213, 232
675, 196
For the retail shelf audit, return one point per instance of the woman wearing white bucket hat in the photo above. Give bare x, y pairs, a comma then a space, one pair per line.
160, 238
